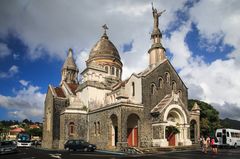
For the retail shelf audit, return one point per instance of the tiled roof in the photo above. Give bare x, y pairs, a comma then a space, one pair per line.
17, 130
73, 87
163, 103
59, 92
33, 126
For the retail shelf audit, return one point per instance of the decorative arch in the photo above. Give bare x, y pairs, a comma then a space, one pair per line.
71, 128
106, 68
112, 70
160, 82
178, 110
180, 93
167, 76
174, 86
153, 88
95, 128
117, 72
133, 89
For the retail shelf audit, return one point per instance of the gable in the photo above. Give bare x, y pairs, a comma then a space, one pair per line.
162, 68
160, 81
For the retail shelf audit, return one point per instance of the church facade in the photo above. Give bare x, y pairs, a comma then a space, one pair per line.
148, 109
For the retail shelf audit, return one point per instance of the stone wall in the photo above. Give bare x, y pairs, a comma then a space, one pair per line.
80, 127
48, 121
150, 100
102, 136
59, 105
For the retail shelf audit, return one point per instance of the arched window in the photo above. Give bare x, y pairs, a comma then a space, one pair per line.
106, 69
95, 128
160, 82
71, 128
117, 72
174, 86
112, 70
98, 127
167, 77
153, 88
180, 93
133, 89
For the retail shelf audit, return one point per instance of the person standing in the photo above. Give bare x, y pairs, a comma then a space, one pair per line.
204, 149
214, 146
208, 142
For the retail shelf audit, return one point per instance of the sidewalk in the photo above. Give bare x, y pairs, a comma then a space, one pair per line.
170, 149
146, 151
111, 152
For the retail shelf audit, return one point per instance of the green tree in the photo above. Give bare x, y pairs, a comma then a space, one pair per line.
209, 117
35, 132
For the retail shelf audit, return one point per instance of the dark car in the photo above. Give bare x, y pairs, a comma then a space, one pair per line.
8, 147
79, 145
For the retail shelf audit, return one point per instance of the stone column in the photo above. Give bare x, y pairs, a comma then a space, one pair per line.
122, 132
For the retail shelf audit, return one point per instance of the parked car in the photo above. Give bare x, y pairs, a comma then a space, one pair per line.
79, 145
8, 147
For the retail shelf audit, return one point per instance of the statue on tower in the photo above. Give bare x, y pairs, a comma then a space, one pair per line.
156, 15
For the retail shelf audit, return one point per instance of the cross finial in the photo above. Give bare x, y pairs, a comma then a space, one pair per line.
105, 28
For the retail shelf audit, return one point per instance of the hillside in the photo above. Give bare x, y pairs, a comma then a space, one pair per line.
230, 123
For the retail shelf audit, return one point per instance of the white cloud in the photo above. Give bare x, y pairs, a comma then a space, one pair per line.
176, 44
4, 50
10, 73
28, 103
24, 83
221, 19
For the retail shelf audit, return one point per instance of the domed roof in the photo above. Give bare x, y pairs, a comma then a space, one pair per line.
104, 48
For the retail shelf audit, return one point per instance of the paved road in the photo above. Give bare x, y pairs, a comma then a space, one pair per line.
32, 153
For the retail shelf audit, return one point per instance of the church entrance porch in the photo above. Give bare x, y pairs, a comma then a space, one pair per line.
132, 130
173, 130
177, 128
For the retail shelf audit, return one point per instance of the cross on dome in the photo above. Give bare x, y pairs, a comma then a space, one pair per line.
105, 28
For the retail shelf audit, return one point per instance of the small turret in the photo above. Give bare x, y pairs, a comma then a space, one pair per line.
69, 69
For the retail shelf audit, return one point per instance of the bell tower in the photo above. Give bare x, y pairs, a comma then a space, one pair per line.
69, 69
157, 51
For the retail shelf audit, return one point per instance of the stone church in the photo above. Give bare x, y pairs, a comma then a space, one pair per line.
148, 109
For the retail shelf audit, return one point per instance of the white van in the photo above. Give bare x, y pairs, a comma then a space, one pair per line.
228, 137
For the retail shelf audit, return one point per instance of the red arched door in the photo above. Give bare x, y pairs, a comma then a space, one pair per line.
171, 140
132, 137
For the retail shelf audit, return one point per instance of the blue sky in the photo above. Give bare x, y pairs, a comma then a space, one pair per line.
200, 37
